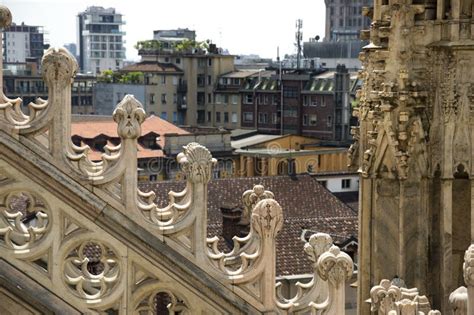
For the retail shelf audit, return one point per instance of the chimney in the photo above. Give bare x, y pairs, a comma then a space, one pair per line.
231, 222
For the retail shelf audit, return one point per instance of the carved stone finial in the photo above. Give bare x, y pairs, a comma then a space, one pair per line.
5, 17
267, 218
59, 67
318, 244
197, 162
129, 115
250, 198
335, 266
384, 296
468, 266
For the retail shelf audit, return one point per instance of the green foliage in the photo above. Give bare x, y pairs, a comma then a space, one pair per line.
152, 44
109, 76
184, 46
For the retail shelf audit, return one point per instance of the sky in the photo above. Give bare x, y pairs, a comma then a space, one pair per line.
242, 27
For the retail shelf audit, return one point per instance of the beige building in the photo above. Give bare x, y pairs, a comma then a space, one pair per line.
200, 71
225, 110
271, 155
162, 82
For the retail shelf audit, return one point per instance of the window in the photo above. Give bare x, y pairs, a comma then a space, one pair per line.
178, 60
217, 98
248, 116
290, 92
218, 117
209, 98
248, 99
274, 100
323, 101
305, 120
209, 116
226, 117
163, 98
235, 99
274, 118
305, 100
234, 118
175, 80
262, 118
346, 183
164, 115
201, 80
209, 62
312, 120
175, 117
201, 63
152, 98
163, 79
314, 101
209, 80
175, 98
329, 121
323, 183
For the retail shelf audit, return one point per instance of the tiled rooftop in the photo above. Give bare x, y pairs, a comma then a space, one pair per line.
108, 128
306, 205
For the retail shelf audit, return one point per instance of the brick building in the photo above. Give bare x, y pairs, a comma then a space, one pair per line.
317, 105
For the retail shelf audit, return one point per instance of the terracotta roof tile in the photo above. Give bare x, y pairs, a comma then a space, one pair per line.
108, 128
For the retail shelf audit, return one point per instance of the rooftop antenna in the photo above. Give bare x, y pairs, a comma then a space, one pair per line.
281, 90
299, 38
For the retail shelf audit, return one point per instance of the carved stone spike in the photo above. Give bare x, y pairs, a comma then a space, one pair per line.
384, 296
267, 218
197, 162
5, 17
335, 266
250, 198
59, 67
468, 266
129, 115
318, 244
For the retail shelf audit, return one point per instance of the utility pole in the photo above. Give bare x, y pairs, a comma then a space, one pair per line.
299, 38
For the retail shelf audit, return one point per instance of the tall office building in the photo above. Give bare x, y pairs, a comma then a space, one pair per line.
100, 40
23, 43
344, 19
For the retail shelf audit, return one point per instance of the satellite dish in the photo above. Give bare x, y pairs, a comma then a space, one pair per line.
317, 38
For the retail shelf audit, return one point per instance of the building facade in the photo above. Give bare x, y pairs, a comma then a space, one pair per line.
344, 19
225, 108
314, 105
415, 149
100, 40
29, 87
200, 71
22, 43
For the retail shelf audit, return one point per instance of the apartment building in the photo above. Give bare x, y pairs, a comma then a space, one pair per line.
316, 105
100, 40
225, 110
162, 85
22, 43
344, 19
199, 70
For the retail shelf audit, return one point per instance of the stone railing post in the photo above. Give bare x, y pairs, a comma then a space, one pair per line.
336, 268
314, 291
388, 299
